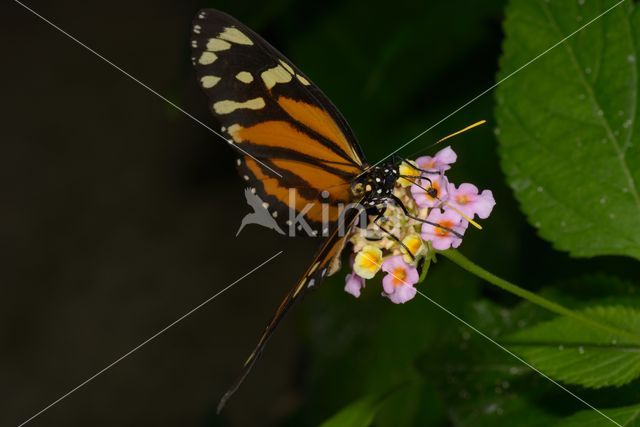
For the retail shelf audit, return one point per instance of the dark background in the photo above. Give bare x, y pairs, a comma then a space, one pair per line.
119, 213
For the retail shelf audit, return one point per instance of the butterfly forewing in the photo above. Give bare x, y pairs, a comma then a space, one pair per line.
293, 137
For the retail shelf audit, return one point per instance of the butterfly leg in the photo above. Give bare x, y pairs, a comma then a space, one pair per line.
411, 178
397, 240
406, 212
420, 169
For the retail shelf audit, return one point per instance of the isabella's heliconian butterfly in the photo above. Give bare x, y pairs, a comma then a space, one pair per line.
290, 136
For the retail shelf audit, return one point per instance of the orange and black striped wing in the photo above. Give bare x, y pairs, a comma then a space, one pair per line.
325, 263
289, 133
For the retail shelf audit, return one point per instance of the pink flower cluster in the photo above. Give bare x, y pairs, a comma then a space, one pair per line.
447, 209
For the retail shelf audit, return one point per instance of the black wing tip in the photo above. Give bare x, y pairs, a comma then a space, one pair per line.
209, 12
222, 403
236, 385
208, 17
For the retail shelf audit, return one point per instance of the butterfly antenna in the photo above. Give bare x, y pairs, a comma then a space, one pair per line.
474, 125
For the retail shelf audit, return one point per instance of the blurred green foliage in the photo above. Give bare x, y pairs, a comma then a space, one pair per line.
394, 71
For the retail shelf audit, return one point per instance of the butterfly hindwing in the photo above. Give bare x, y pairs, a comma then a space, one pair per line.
292, 136
325, 263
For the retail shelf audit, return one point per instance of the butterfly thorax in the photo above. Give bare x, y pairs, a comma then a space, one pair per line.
376, 185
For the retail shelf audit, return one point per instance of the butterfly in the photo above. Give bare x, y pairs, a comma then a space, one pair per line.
289, 136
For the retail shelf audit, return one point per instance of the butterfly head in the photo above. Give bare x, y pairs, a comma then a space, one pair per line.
377, 184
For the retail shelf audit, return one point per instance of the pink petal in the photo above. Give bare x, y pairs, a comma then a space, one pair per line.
426, 162
440, 161
468, 188
443, 243
438, 216
412, 276
387, 284
476, 204
446, 156
485, 204
393, 262
403, 294
354, 284
420, 195
438, 241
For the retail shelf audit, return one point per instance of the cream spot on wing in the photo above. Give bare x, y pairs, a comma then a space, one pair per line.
287, 66
265, 205
313, 268
238, 162
228, 106
233, 129
209, 81
216, 45
207, 58
194, 43
274, 214
275, 75
235, 36
303, 80
299, 288
196, 29
244, 77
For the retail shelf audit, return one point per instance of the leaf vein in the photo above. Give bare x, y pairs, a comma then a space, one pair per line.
604, 122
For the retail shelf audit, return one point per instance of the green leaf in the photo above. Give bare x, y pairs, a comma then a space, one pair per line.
567, 123
627, 417
568, 351
408, 406
359, 413
481, 384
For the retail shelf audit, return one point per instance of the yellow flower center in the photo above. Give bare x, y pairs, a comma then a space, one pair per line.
462, 199
368, 261
408, 170
399, 275
441, 231
412, 243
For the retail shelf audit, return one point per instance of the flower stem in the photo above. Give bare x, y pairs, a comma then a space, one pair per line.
464, 262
